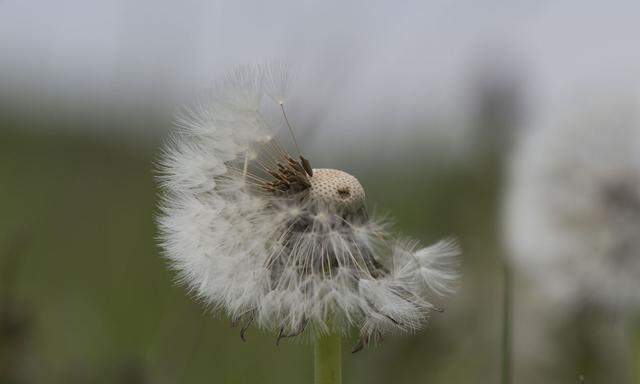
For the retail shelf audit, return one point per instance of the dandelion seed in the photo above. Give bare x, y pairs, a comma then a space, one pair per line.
260, 234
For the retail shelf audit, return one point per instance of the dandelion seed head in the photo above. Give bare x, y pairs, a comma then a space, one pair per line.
256, 233
573, 206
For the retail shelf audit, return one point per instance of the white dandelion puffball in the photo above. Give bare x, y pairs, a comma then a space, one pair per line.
257, 233
573, 206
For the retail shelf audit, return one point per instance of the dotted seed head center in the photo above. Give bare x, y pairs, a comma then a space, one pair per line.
336, 188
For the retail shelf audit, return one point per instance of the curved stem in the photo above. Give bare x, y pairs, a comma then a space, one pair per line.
327, 359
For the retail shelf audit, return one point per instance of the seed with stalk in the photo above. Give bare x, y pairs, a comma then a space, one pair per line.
258, 233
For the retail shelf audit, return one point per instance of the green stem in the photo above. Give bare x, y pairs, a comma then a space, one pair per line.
635, 363
328, 364
507, 305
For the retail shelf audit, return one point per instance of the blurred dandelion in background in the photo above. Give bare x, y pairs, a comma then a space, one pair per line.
572, 218
260, 234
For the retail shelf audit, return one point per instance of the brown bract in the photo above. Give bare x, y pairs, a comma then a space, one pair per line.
289, 177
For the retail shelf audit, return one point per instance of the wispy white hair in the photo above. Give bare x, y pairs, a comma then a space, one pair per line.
269, 240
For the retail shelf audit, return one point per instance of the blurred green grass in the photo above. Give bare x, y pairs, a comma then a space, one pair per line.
103, 308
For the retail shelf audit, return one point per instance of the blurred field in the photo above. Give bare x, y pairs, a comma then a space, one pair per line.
101, 306
89, 299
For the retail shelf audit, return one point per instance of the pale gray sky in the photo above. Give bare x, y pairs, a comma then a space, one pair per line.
405, 60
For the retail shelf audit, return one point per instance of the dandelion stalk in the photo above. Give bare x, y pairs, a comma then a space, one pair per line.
635, 362
506, 325
327, 360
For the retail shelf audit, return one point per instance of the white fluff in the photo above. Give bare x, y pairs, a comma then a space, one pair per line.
283, 262
573, 206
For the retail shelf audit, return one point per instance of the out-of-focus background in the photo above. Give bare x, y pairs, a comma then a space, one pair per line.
422, 100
